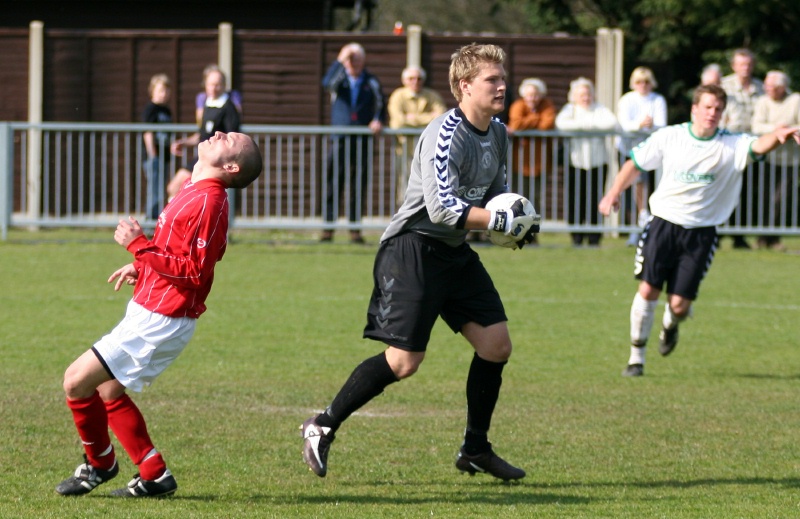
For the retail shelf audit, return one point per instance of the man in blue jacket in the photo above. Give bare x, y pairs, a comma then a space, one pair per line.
356, 100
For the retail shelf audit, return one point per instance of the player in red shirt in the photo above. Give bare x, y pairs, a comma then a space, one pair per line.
172, 274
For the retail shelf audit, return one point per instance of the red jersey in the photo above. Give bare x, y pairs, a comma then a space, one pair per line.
176, 267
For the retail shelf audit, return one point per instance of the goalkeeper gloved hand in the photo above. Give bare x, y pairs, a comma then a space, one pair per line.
529, 236
514, 222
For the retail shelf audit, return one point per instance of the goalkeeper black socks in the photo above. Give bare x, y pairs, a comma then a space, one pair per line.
483, 389
367, 381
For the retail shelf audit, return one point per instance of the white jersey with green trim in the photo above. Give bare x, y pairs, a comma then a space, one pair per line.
455, 166
701, 178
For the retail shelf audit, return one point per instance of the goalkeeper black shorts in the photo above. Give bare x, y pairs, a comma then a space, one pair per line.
417, 279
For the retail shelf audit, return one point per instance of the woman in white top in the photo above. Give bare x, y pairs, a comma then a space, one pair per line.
642, 111
587, 156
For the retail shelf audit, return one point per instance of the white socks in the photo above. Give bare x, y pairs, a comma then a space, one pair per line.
637, 355
642, 317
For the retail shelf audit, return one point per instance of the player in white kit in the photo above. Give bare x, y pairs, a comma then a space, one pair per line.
699, 189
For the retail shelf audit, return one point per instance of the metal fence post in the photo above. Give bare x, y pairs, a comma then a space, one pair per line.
6, 174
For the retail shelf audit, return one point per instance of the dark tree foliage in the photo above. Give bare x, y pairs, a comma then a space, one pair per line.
676, 38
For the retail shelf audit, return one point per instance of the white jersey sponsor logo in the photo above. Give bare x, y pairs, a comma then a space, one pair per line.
687, 177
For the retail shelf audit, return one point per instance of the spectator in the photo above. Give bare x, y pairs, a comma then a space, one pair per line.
411, 106
641, 111
156, 144
356, 100
702, 174
779, 108
172, 274
742, 90
200, 98
219, 115
588, 159
532, 111
711, 75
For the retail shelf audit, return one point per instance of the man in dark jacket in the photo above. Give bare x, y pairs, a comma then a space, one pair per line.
356, 100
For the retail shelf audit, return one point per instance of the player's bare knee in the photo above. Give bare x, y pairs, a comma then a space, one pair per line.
496, 352
78, 381
110, 390
503, 351
648, 292
402, 366
405, 371
403, 363
680, 312
75, 387
680, 307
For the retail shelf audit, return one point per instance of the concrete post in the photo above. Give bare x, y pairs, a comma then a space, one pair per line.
225, 62
608, 90
225, 59
414, 46
35, 110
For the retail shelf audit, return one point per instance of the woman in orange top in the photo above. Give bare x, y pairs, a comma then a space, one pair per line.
532, 155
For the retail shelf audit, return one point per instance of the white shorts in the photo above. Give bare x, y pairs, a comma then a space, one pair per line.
143, 345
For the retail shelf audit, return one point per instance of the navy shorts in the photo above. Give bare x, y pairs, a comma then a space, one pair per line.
674, 255
417, 279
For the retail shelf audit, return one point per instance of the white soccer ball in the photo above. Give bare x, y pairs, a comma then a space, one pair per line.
505, 201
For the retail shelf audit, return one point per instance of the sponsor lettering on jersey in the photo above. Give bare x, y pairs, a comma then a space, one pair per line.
688, 177
472, 193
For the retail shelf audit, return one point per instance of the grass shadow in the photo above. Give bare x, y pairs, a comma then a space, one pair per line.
763, 376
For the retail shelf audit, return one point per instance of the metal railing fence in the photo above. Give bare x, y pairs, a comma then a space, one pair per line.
91, 175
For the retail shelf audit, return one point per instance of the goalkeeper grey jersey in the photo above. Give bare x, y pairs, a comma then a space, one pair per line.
455, 166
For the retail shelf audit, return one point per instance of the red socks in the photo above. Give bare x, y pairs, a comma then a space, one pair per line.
91, 419
129, 427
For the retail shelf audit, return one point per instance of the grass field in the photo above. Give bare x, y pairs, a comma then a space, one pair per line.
710, 432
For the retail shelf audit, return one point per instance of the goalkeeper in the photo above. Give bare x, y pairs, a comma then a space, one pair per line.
424, 268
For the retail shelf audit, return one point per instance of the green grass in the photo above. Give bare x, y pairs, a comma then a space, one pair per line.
710, 432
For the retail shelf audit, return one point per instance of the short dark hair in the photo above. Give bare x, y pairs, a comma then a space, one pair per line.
714, 90
250, 166
743, 51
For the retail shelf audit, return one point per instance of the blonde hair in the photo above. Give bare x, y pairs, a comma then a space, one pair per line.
156, 80
642, 74
534, 82
465, 63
